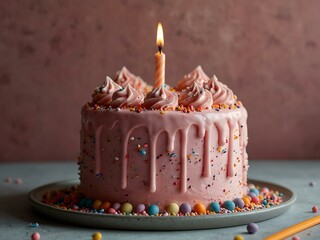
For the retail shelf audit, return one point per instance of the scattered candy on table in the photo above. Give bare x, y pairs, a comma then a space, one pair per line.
315, 209
295, 237
312, 184
238, 237
97, 236
35, 236
18, 181
33, 225
8, 179
252, 228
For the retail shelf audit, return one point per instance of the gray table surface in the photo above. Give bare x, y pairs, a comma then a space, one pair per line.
16, 213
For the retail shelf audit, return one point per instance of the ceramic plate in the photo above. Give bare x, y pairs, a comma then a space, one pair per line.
159, 223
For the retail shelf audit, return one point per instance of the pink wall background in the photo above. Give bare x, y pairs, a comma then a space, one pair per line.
54, 53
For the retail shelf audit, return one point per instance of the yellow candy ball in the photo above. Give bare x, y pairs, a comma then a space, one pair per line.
97, 236
126, 208
172, 208
96, 204
238, 237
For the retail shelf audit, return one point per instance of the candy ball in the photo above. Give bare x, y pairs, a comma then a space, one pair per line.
251, 194
238, 237
88, 203
295, 237
252, 228
185, 208
97, 236
315, 209
140, 208
246, 200
96, 204
229, 205
82, 202
35, 236
172, 208
238, 202
199, 208
153, 209
126, 208
18, 181
264, 190
251, 186
116, 206
112, 211
105, 206
255, 200
274, 197
255, 191
214, 207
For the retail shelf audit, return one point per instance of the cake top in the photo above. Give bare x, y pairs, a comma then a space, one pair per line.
194, 92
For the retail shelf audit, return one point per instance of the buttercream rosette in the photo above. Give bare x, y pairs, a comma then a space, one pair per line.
221, 94
161, 98
196, 96
127, 97
102, 95
197, 75
125, 77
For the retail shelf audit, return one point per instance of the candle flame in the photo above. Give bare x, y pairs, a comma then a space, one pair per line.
160, 38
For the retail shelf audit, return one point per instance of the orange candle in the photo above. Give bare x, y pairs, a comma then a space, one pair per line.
160, 58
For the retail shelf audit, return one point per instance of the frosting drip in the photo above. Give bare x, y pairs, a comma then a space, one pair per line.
197, 75
103, 94
161, 98
196, 96
125, 77
220, 92
127, 97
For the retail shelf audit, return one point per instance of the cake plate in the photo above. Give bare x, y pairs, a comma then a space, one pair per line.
163, 223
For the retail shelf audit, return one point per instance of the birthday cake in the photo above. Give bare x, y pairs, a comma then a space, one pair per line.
182, 145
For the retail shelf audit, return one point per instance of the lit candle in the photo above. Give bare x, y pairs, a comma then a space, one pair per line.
160, 58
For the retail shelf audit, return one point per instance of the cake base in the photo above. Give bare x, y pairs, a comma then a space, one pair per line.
164, 223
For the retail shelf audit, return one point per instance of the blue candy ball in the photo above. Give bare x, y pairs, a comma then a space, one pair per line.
153, 210
82, 202
229, 205
214, 207
88, 203
239, 202
255, 191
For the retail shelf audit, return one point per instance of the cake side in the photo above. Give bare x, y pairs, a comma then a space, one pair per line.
155, 158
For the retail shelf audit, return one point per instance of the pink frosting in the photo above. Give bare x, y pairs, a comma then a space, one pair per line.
197, 75
220, 92
103, 94
160, 98
125, 77
127, 97
196, 96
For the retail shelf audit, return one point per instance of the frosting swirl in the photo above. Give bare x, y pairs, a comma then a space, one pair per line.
125, 77
127, 97
160, 98
197, 75
196, 96
220, 92
103, 94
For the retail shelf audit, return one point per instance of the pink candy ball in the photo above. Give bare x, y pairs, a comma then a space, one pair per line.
315, 209
112, 210
255, 200
35, 236
295, 237
18, 181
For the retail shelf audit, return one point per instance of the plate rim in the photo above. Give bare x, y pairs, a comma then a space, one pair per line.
55, 212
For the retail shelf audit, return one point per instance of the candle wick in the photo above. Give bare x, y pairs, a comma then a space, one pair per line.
160, 49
